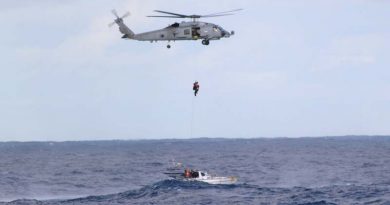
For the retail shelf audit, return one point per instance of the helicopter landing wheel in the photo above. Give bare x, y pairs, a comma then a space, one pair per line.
206, 42
168, 46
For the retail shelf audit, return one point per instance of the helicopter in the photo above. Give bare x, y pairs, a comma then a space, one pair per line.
190, 30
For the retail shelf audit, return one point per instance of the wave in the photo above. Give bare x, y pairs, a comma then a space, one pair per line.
182, 192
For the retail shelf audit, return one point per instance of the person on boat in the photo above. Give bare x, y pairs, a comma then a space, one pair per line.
187, 173
196, 88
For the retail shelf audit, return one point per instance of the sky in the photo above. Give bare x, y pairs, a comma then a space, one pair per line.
295, 68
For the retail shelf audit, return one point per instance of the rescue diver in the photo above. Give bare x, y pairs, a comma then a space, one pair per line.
196, 88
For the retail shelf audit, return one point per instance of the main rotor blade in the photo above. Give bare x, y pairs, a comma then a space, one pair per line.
207, 16
223, 12
165, 12
166, 16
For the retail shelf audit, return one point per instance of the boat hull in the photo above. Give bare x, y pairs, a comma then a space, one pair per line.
216, 180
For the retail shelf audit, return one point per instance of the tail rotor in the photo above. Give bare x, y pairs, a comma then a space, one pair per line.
118, 19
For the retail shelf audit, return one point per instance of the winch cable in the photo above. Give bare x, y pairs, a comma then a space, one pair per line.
192, 116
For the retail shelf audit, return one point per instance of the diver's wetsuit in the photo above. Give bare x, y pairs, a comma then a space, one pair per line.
196, 88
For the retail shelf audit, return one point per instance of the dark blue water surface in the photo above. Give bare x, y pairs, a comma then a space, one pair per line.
331, 170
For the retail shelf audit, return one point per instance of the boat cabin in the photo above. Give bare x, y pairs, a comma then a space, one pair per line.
194, 174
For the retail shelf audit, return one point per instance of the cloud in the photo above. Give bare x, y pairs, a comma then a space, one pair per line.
359, 51
67, 75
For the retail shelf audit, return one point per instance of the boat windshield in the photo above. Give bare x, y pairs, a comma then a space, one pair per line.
194, 174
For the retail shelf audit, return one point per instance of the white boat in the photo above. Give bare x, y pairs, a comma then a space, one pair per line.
176, 172
204, 177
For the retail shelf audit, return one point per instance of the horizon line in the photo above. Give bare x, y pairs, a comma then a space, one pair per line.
185, 139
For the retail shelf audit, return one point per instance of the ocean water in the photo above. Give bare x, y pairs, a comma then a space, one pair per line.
329, 170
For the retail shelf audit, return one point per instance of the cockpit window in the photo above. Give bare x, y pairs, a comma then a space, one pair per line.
175, 25
216, 28
203, 174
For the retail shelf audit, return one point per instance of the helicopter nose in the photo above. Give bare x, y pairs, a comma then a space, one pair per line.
225, 34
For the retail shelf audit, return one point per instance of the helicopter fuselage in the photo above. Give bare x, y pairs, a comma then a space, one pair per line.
190, 30
184, 31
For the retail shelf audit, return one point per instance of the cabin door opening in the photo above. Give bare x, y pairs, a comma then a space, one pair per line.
195, 32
